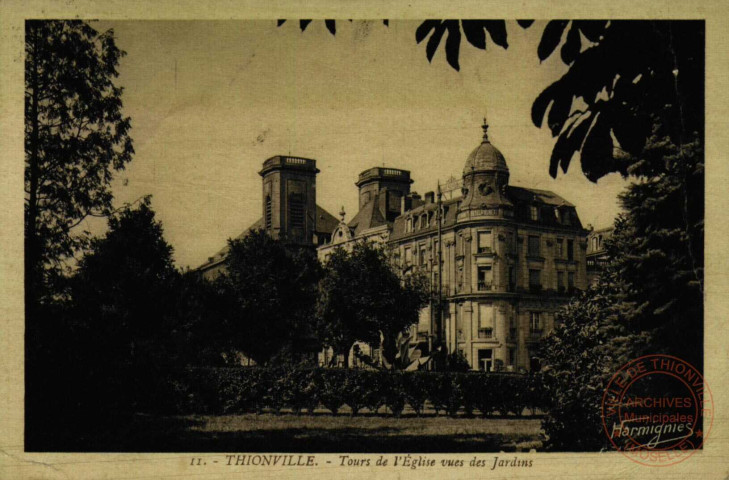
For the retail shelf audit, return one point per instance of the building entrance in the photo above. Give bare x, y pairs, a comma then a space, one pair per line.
486, 360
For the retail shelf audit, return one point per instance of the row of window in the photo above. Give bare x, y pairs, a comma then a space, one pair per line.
484, 244
486, 324
484, 280
424, 220
535, 280
534, 247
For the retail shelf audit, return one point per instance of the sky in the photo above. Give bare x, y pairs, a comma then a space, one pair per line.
210, 101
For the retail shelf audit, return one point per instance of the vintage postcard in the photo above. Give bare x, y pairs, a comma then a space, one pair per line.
326, 240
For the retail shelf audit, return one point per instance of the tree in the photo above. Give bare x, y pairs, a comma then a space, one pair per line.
657, 249
273, 292
116, 324
648, 300
633, 80
75, 137
362, 298
123, 293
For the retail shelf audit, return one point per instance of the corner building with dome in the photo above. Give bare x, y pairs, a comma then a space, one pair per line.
510, 257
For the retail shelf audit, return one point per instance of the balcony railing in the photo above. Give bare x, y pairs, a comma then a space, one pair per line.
485, 333
534, 288
484, 286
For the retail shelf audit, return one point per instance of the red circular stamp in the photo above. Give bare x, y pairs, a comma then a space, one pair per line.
657, 410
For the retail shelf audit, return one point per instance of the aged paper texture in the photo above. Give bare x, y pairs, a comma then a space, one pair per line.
515, 329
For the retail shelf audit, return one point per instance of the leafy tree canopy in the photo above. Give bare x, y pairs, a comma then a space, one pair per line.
624, 78
123, 291
648, 300
75, 137
362, 298
273, 287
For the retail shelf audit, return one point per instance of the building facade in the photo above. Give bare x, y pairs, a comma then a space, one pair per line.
501, 258
597, 256
509, 256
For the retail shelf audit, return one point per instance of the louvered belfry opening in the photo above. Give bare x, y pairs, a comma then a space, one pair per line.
297, 210
269, 213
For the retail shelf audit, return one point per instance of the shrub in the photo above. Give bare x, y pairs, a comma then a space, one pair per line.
253, 389
470, 388
415, 387
374, 396
394, 392
304, 392
445, 394
356, 387
456, 362
331, 388
484, 394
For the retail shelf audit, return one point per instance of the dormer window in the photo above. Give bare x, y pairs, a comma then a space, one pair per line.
409, 225
567, 217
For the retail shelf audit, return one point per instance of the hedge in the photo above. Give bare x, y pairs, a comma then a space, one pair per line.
257, 389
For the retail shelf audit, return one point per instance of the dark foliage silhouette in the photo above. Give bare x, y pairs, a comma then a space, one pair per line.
624, 77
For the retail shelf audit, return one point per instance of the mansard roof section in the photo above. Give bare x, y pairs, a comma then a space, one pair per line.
550, 208
521, 194
369, 217
423, 219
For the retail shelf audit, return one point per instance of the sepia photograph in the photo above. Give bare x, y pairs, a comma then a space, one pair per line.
285, 237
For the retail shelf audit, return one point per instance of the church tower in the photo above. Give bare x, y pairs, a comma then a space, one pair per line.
289, 199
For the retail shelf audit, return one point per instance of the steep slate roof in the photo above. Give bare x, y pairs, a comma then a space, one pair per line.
450, 208
325, 223
369, 217
519, 195
220, 255
527, 195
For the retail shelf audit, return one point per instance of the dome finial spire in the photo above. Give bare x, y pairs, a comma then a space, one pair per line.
485, 128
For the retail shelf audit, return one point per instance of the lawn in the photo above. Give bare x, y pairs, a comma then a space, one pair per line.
320, 433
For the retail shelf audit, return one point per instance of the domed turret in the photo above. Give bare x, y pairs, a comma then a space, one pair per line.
485, 157
485, 176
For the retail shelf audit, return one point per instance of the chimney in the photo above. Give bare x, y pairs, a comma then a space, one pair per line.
429, 197
415, 200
